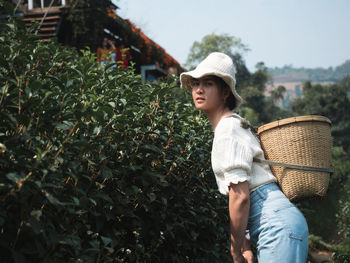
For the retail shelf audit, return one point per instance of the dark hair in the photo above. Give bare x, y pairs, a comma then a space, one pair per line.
231, 101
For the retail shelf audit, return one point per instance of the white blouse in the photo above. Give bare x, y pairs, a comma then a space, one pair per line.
232, 156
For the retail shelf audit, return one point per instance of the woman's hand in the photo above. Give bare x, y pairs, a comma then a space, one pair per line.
248, 256
239, 259
246, 251
237, 256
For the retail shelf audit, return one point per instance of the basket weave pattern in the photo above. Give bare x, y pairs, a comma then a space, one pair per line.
306, 142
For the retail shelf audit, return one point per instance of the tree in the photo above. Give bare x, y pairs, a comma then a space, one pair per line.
225, 43
253, 93
278, 93
343, 70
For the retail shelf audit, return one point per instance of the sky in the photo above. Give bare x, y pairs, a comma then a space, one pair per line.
300, 33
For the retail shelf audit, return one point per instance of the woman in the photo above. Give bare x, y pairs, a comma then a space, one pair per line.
106, 53
275, 225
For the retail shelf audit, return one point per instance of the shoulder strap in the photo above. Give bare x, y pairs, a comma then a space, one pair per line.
244, 123
294, 166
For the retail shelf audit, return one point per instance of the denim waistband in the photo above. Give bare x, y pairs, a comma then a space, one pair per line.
263, 191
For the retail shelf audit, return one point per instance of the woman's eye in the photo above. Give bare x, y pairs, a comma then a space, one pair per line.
195, 83
209, 83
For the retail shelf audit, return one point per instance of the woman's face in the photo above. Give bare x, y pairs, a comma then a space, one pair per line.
207, 94
105, 42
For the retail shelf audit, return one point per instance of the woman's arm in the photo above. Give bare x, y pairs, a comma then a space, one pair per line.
239, 203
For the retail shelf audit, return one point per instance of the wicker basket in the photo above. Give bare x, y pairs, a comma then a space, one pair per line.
302, 141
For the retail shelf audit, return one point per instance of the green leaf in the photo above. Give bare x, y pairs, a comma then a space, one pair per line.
107, 173
76, 201
152, 148
123, 101
112, 104
105, 197
66, 125
53, 200
14, 177
152, 197
93, 201
106, 240
97, 130
35, 85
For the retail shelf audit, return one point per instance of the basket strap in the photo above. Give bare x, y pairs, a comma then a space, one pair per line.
294, 166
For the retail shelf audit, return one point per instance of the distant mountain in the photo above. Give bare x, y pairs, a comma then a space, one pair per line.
290, 74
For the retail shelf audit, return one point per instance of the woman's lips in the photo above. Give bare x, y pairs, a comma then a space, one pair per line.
200, 99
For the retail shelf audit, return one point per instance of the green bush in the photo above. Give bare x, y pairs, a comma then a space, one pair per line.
343, 214
343, 218
99, 166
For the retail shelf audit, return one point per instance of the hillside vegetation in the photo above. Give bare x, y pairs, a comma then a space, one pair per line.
291, 74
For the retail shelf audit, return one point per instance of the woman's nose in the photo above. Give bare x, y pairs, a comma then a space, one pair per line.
199, 89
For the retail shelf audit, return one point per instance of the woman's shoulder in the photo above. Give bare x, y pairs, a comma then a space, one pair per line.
228, 125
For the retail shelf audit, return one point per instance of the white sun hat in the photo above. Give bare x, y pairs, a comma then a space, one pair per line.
217, 64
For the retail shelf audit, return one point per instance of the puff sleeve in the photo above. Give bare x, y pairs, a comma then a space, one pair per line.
231, 159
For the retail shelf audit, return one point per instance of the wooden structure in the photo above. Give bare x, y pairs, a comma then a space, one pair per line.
47, 13
49, 19
151, 60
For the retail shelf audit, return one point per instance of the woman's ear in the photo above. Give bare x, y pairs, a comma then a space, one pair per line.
226, 93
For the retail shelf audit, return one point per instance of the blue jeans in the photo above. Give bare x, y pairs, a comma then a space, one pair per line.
277, 227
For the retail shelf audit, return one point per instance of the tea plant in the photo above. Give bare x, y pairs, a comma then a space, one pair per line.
98, 166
